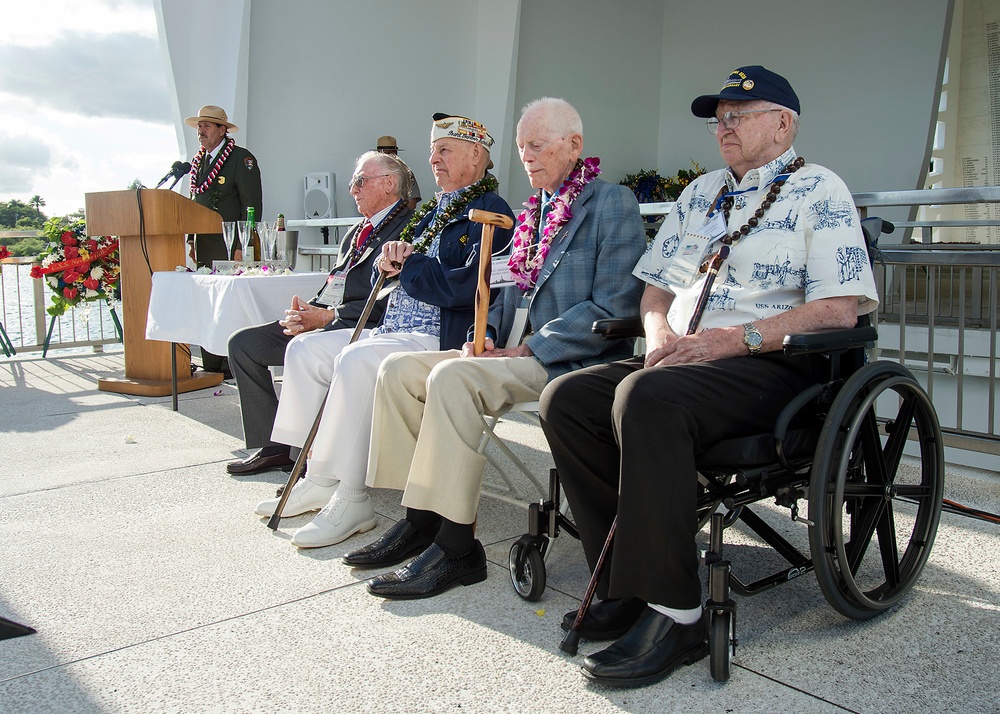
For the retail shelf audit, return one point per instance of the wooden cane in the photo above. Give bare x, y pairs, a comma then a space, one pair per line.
300, 460
489, 220
572, 638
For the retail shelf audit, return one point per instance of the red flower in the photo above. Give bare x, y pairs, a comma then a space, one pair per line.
4, 252
82, 269
69, 277
68, 238
36, 271
72, 252
91, 245
91, 284
70, 293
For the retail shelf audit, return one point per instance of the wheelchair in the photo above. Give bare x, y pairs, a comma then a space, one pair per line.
872, 518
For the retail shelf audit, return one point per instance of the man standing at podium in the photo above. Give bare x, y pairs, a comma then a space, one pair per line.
224, 177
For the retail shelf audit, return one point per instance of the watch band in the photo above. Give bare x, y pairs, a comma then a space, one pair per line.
752, 338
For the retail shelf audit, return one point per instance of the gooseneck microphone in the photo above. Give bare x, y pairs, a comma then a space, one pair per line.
181, 171
173, 172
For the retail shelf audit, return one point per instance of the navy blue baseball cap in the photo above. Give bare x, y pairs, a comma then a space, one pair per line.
747, 84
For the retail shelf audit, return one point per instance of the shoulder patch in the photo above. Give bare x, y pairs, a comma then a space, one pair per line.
248, 162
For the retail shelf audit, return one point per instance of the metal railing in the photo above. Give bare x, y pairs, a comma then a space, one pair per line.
938, 314
23, 301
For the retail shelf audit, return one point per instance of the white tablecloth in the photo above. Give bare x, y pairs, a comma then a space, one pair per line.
206, 309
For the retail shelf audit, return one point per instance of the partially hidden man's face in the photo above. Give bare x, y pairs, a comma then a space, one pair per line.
453, 162
548, 158
375, 192
210, 134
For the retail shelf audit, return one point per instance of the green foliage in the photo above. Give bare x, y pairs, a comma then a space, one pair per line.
25, 246
18, 215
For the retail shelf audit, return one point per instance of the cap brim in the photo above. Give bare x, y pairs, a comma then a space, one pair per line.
705, 105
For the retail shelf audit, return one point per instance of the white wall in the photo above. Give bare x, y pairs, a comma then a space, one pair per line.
313, 83
867, 73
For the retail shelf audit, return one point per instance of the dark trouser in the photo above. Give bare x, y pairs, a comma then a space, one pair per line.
251, 351
209, 247
625, 440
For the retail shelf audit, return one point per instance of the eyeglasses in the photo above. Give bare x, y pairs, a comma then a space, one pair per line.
360, 179
731, 120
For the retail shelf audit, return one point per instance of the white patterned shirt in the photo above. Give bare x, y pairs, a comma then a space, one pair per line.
807, 246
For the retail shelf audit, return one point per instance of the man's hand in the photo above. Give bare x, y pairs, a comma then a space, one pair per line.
469, 350
703, 346
303, 317
394, 254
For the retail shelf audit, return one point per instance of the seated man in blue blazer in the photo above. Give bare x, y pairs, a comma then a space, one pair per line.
573, 249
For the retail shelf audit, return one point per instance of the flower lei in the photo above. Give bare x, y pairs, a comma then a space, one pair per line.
78, 268
526, 259
196, 165
442, 218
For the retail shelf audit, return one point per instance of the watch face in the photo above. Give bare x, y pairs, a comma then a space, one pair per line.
754, 339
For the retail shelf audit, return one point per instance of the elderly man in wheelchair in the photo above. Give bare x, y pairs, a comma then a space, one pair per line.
767, 247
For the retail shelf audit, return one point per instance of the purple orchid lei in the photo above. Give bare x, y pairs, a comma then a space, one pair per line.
526, 259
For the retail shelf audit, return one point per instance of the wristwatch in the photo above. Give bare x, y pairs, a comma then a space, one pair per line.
752, 338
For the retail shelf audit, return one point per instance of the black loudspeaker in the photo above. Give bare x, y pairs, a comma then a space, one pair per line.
319, 199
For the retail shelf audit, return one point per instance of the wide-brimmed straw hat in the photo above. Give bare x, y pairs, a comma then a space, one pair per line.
214, 114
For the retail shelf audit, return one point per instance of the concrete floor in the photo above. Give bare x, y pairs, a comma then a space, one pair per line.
154, 588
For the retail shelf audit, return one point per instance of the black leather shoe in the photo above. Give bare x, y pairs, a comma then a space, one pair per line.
652, 649
606, 619
400, 542
257, 463
430, 573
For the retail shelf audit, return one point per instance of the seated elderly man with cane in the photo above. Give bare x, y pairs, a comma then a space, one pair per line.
437, 260
379, 186
573, 248
786, 244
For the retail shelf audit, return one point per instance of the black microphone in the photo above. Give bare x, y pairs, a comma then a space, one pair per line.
181, 171
173, 172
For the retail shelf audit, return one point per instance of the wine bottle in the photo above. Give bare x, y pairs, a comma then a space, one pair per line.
254, 253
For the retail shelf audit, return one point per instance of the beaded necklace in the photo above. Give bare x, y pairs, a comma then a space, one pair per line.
358, 250
196, 165
727, 205
442, 218
772, 194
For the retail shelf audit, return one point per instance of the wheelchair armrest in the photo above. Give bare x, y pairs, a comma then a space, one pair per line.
807, 343
616, 328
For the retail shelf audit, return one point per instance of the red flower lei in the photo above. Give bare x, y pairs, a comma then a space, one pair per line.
196, 165
526, 259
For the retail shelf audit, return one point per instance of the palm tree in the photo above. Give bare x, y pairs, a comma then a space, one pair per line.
37, 202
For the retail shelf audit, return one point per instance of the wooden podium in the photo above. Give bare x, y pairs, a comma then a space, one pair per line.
150, 225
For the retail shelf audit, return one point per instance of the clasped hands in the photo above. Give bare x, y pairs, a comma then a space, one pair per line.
717, 343
469, 350
303, 317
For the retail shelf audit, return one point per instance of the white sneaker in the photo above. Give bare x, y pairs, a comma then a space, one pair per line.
339, 520
306, 496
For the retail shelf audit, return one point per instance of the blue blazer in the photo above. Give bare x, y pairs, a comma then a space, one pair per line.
450, 279
587, 276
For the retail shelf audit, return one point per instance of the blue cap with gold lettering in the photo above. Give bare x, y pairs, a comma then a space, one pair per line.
746, 84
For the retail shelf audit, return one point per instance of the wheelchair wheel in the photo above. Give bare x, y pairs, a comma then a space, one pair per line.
720, 644
527, 569
874, 517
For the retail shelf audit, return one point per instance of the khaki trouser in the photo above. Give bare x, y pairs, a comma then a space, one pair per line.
427, 424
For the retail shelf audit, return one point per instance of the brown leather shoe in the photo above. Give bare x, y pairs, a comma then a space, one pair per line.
257, 463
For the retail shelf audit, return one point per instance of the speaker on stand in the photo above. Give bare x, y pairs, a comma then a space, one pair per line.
319, 199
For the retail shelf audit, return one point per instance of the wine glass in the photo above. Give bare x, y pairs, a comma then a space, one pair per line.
229, 236
246, 240
268, 233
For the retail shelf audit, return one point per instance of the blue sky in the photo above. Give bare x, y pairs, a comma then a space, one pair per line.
83, 100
